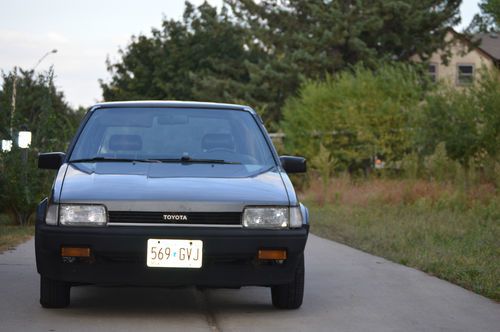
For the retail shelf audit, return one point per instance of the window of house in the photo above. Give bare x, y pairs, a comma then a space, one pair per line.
465, 74
433, 72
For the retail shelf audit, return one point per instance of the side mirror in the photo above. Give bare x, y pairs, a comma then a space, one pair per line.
51, 160
293, 164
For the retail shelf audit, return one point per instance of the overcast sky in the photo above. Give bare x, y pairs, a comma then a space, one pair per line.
85, 33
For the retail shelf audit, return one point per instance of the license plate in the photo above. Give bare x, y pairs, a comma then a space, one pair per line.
175, 253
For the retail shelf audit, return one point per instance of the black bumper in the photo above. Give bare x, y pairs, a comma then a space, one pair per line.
119, 256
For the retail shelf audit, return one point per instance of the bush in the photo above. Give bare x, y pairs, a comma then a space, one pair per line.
356, 115
22, 185
438, 166
466, 121
444, 133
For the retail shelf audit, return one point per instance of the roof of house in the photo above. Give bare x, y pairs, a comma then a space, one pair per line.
489, 43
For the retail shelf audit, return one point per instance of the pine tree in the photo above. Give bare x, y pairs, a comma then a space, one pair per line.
314, 38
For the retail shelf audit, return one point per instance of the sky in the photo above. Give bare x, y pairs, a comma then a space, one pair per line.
85, 33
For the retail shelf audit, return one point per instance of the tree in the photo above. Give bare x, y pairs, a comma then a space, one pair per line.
202, 57
311, 39
489, 17
259, 53
41, 108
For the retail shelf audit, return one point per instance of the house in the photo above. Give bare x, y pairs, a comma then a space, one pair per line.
465, 57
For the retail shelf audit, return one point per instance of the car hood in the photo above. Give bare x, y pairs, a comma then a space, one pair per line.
172, 187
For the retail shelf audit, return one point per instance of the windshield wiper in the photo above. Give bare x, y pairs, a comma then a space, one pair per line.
188, 159
183, 159
106, 159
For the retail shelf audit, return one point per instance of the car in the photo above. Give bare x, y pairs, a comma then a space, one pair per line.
168, 194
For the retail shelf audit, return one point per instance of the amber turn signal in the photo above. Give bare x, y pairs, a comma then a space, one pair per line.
75, 252
272, 254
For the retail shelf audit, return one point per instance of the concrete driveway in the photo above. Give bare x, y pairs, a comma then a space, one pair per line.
346, 290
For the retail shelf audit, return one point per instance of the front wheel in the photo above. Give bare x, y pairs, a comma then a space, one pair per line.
54, 293
289, 296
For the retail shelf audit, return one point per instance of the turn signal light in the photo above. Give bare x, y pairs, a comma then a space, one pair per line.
272, 254
75, 252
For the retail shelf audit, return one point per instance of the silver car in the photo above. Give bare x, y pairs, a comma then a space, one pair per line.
171, 194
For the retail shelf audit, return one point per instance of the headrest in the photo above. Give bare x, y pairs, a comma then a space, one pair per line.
125, 143
213, 141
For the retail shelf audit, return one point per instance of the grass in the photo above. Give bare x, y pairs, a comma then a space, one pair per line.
428, 226
12, 235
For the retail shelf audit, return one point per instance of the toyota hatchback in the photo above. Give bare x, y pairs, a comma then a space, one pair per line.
171, 194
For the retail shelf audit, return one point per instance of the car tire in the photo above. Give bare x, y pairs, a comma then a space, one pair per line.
289, 296
54, 293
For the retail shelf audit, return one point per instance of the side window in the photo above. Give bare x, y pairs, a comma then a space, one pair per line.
465, 74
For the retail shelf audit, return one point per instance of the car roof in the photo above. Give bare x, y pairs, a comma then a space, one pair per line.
173, 104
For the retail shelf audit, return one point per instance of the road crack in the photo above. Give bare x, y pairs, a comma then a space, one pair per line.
203, 301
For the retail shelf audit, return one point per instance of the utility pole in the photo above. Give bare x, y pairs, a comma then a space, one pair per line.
13, 104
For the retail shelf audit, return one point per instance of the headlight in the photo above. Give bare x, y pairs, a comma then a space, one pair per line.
82, 215
265, 217
272, 217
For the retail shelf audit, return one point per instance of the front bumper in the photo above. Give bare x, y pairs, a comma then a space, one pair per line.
119, 255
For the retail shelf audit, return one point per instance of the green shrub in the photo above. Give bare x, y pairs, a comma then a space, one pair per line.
356, 115
23, 186
438, 166
465, 121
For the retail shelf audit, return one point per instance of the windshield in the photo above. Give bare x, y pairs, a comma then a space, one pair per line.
173, 135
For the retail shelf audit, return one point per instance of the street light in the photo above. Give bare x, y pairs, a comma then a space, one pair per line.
24, 135
43, 57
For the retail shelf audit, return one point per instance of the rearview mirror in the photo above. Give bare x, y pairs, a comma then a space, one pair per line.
51, 160
293, 164
172, 119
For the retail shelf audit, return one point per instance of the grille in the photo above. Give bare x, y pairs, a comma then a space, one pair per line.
203, 218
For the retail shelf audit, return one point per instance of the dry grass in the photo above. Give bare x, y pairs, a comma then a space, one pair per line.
343, 191
12, 235
427, 225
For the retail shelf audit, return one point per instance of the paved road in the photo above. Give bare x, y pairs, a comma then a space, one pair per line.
346, 290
